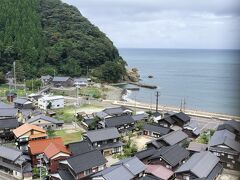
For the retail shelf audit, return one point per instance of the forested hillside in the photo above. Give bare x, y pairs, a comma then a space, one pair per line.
44, 36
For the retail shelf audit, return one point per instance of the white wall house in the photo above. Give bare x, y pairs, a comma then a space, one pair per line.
56, 102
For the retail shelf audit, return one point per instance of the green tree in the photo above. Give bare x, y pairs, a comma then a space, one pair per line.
2, 78
33, 84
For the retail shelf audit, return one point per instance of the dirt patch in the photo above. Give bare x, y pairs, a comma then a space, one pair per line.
141, 141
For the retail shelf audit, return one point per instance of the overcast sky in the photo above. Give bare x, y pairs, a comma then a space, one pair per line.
166, 23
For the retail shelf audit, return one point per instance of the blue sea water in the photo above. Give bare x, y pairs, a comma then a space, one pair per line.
209, 80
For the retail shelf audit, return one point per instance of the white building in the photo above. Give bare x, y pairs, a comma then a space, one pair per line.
55, 101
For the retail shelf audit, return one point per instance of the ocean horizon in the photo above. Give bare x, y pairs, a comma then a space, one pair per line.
208, 79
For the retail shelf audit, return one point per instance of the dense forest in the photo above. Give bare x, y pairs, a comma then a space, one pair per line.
48, 36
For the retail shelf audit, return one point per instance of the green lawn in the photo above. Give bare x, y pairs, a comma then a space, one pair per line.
5, 88
67, 113
68, 136
91, 91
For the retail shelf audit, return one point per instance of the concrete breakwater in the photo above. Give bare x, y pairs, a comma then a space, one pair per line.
144, 85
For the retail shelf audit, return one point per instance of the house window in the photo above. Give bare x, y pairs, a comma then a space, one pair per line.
230, 157
89, 171
217, 154
115, 140
186, 177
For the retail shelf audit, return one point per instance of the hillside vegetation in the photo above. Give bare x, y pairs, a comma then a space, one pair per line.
47, 36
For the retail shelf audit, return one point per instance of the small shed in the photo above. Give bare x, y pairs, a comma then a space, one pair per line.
11, 96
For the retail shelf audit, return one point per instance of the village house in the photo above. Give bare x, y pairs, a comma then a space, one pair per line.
46, 80
203, 165
224, 145
106, 140
158, 172
124, 123
169, 156
81, 81
232, 126
172, 138
46, 122
7, 125
27, 132
145, 154
125, 169
58, 81
192, 129
23, 103
79, 147
118, 111
11, 96
13, 162
195, 147
51, 102
154, 130
140, 117
170, 119
81, 166
156, 116
52, 149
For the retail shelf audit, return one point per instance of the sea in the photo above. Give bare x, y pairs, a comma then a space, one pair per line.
207, 80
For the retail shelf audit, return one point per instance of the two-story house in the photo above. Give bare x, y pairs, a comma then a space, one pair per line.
6, 127
224, 145
124, 123
126, 169
81, 166
52, 151
203, 165
58, 81
106, 140
155, 130
15, 163
172, 138
46, 122
169, 156
27, 132
178, 119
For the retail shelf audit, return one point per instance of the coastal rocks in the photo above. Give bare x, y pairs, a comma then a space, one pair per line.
132, 75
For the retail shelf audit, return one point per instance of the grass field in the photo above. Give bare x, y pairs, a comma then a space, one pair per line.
5, 88
67, 113
68, 136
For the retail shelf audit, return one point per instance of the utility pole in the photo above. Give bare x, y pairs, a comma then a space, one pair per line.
77, 96
87, 72
184, 104
157, 96
181, 105
14, 74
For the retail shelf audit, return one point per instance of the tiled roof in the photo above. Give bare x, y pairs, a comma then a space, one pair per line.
174, 137
116, 110
80, 147
224, 137
33, 136
46, 118
159, 171
171, 154
60, 79
26, 128
103, 134
49, 147
201, 164
156, 128
89, 160
9, 153
8, 123
118, 121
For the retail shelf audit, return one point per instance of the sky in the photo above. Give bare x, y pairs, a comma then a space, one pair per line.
197, 24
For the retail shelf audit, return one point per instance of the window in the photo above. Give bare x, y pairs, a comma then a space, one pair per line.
230, 157
89, 171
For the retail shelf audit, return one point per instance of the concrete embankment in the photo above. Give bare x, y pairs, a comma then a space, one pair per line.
204, 114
